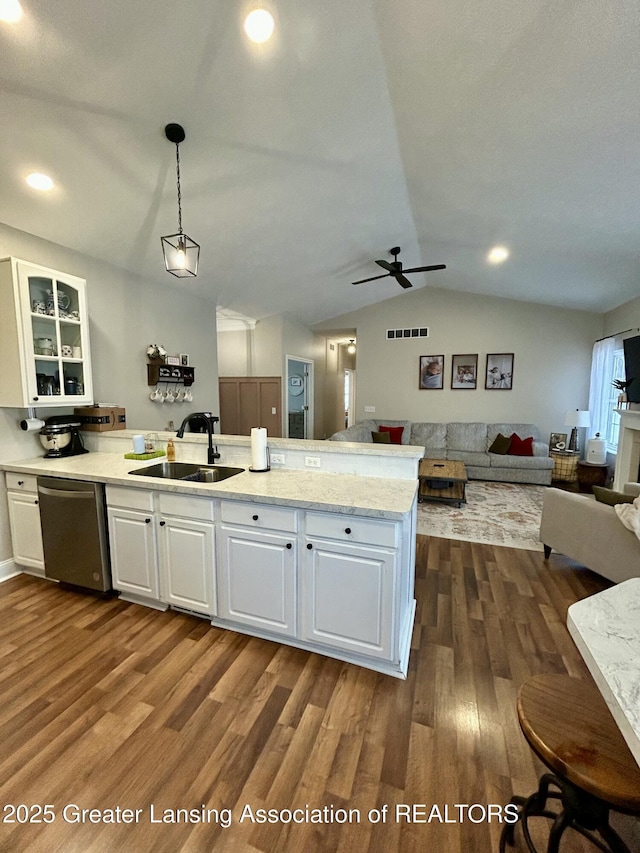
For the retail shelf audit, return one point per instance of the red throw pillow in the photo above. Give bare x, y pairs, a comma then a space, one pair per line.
395, 433
520, 446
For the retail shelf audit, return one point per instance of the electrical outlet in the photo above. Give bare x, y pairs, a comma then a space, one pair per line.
369, 408
312, 461
277, 457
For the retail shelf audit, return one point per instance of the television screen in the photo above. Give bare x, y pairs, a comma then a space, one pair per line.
632, 367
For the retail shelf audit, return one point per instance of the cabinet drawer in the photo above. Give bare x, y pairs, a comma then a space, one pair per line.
21, 482
259, 515
186, 506
129, 498
349, 528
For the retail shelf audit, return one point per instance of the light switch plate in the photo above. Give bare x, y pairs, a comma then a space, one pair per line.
369, 408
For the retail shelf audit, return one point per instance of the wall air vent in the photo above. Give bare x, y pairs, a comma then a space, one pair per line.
396, 334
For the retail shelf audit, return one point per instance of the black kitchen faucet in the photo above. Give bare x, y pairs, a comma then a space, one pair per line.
209, 422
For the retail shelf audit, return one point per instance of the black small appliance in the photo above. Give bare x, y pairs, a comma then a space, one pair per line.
60, 436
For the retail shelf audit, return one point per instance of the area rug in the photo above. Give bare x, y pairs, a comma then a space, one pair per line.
495, 514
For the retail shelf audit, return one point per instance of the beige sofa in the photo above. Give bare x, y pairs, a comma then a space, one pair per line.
591, 533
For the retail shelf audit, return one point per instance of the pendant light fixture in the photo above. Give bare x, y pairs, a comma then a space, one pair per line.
181, 253
351, 349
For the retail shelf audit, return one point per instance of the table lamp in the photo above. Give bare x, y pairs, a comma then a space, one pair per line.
576, 418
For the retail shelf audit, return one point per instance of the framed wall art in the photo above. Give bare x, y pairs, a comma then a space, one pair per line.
431, 372
558, 441
499, 375
464, 372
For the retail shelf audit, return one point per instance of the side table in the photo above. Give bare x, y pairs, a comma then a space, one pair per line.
565, 465
591, 474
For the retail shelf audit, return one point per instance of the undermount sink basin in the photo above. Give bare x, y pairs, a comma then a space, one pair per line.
188, 471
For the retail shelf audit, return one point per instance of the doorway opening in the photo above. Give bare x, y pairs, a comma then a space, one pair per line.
299, 397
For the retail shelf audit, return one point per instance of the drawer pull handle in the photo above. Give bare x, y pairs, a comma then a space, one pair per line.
162, 523
21, 482
309, 546
289, 545
147, 521
36, 502
255, 517
347, 530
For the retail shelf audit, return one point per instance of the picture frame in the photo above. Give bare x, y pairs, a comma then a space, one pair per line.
184, 359
558, 441
172, 359
499, 372
464, 372
431, 373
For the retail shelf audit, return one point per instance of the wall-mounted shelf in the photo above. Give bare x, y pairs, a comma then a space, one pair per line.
170, 373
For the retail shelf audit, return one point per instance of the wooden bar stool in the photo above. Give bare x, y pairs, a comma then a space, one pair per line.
569, 727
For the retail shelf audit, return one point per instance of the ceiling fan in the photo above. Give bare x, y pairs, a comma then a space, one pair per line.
396, 271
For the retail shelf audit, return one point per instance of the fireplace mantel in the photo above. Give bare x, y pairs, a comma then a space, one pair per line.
628, 456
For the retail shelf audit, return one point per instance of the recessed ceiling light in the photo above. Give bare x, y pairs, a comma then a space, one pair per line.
39, 181
10, 11
258, 25
497, 255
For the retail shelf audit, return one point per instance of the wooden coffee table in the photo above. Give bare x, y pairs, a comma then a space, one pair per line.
442, 480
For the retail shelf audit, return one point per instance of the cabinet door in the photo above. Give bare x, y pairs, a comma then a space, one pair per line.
256, 579
26, 533
188, 564
56, 357
134, 563
348, 593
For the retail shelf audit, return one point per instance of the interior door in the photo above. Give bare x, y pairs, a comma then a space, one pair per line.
298, 399
250, 401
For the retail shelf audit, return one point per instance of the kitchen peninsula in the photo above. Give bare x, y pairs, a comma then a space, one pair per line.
323, 561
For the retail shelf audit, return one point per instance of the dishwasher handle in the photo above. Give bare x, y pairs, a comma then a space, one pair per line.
65, 493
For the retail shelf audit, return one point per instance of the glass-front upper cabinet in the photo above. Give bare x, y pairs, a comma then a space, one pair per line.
44, 341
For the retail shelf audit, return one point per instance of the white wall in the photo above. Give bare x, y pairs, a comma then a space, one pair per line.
624, 317
552, 349
126, 314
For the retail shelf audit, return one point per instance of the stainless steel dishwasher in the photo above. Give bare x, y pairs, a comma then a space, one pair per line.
74, 534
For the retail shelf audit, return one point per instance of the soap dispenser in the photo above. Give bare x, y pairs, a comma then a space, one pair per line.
171, 451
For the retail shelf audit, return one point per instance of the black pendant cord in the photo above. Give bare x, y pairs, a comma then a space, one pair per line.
179, 190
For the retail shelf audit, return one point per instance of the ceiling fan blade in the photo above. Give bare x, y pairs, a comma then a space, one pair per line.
387, 266
428, 269
402, 281
362, 280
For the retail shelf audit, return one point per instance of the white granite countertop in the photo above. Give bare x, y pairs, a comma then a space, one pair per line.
606, 630
376, 497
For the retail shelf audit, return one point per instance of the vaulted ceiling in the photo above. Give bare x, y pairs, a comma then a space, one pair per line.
442, 127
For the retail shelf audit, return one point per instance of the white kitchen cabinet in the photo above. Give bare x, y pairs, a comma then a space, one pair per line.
134, 555
44, 337
257, 567
24, 521
162, 548
348, 585
187, 552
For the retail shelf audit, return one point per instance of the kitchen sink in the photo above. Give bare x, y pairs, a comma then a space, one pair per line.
188, 471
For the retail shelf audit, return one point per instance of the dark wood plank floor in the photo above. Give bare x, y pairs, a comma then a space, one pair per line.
107, 705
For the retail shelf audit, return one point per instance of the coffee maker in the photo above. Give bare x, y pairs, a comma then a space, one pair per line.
60, 436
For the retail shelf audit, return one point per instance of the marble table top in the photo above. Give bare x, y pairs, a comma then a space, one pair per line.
606, 630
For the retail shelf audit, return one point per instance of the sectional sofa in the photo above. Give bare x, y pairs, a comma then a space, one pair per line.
468, 443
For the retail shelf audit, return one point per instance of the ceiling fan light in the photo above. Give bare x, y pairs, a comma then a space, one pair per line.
181, 255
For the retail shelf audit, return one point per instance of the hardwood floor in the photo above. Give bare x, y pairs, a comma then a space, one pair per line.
108, 705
